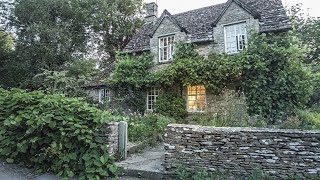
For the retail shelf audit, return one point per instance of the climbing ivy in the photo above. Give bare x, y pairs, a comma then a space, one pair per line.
276, 80
271, 70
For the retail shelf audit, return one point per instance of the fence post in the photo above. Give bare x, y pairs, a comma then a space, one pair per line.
123, 139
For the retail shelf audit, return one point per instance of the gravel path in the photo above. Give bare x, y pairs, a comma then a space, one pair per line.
15, 172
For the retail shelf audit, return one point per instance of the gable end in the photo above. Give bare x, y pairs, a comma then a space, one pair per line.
168, 15
240, 4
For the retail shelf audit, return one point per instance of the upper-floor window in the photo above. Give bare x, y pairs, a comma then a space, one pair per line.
235, 38
166, 48
196, 99
152, 96
104, 95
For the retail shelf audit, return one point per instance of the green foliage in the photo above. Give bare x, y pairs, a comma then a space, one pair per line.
303, 119
150, 127
229, 110
276, 81
58, 32
68, 82
306, 28
171, 105
183, 173
271, 71
131, 71
54, 133
6, 50
189, 68
129, 80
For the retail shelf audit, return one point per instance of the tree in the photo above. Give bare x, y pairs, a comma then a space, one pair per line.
276, 80
55, 33
6, 49
115, 21
306, 28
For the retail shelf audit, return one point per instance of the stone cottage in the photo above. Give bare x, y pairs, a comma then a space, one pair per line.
221, 28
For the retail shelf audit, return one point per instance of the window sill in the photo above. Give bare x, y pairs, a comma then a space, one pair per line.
195, 113
167, 62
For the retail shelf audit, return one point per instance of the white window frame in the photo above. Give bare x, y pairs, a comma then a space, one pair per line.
152, 95
237, 36
104, 95
168, 46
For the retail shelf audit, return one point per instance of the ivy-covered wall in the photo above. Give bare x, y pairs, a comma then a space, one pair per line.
270, 72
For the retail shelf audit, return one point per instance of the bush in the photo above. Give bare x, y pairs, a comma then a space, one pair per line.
54, 133
229, 111
150, 127
171, 105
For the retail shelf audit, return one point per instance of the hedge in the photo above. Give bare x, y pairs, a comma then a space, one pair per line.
54, 133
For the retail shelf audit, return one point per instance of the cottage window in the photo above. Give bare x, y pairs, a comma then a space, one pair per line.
152, 96
235, 38
166, 48
104, 95
196, 99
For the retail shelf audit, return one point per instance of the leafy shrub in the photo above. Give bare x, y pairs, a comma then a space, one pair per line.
54, 133
171, 105
183, 173
276, 80
304, 119
150, 127
230, 110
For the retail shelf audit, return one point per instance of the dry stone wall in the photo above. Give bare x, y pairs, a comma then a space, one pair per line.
280, 153
111, 135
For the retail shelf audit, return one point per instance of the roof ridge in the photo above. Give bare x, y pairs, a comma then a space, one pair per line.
180, 13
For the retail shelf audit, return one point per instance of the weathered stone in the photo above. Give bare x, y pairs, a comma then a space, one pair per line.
281, 153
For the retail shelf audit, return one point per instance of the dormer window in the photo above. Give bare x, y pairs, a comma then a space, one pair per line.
235, 38
166, 48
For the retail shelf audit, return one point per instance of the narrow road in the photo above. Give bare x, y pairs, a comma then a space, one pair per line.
15, 172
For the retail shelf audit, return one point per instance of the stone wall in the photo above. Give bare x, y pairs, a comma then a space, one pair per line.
280, 153
112, 137
167, 27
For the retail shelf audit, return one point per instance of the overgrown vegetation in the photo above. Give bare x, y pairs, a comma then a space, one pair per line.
229, 110
147, 128
54, 133
183, 173
171, 104
276, 80
271, 70
59, 32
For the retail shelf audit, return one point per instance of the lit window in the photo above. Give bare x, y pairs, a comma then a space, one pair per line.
196, 99
104, 95
235, 38
152, 95
166, 48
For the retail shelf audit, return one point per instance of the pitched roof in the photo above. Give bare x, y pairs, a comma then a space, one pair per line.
172, 18
199, 23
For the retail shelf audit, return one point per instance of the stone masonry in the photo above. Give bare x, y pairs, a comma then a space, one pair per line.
280, 153
112, 137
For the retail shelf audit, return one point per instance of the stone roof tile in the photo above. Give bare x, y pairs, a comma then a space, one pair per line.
199, 22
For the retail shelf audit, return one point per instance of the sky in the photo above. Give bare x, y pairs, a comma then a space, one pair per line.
177, 6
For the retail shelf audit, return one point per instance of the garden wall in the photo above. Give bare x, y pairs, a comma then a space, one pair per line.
280, 153
112, 137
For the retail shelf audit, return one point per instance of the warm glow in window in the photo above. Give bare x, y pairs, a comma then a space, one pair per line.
196, 99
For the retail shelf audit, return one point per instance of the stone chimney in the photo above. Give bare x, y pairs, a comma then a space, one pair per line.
152, 13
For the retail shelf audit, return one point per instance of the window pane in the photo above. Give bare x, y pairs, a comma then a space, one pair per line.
235, 37
196, 98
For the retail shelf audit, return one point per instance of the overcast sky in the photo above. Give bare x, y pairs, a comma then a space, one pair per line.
176, 6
